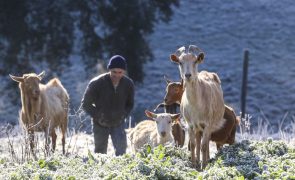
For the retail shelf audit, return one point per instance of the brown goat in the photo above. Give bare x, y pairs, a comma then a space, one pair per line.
44, 107
178, 133
226, 134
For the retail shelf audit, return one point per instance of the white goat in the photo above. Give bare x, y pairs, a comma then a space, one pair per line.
154, 132
202, 104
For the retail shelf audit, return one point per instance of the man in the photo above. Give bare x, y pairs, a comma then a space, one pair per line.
109, 99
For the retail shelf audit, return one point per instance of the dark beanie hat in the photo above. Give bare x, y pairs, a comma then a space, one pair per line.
117, 61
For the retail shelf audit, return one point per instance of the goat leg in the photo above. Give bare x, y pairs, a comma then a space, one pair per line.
198, 142
53, 137
205, 147
192, 144
31, 140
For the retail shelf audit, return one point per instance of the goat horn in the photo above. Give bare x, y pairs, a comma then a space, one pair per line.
180, 51
158, 106
41, 75
16, 78
194, 49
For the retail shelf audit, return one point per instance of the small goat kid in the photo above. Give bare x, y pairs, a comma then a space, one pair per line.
202, 104
226, 134
44, 107
178, 131
156, 131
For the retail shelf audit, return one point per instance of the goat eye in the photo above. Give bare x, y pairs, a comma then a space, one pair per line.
169, 122
180, 63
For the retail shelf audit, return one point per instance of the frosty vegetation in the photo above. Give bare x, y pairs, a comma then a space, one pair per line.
244, 160
253, 156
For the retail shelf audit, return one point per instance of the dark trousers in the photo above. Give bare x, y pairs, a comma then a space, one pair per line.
118, 136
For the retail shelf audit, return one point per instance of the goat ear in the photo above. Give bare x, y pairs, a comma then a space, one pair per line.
167, 80
150, 114
174, 117
174, 58
17, 79
200, 57
41, 75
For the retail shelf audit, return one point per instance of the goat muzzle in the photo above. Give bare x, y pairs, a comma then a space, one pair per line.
188, 76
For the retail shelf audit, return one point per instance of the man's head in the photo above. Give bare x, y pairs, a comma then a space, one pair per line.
117, 61
117, 66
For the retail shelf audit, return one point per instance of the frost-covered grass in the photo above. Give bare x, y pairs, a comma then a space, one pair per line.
256, 155
244, 160
254, 160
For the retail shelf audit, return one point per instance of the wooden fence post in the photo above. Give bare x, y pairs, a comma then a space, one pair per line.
244, 83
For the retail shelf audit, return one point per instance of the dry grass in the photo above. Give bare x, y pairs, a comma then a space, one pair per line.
15, 146
14, 143
263, 131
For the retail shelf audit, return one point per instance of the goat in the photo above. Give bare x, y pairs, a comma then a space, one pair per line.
178, 131
226, 134
202, 104
156, 131
44, 107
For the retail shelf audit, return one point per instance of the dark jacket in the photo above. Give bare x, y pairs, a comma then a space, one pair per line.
106, 105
